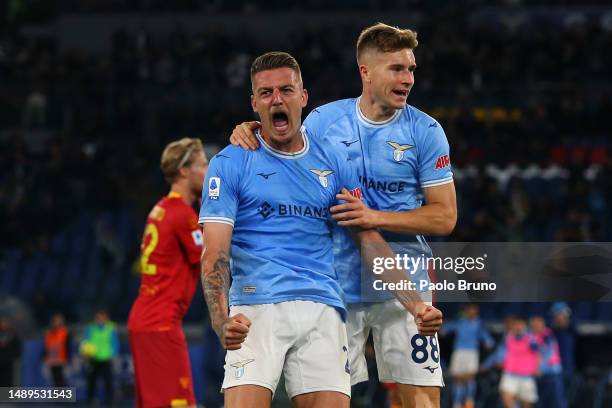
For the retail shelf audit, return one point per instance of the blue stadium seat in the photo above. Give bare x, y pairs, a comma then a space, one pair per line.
111, 285
59, 243
125, 226
514, 308
538, 309
72, 274
604, 311
50, 277
92, 274
9, 269
28, 279
489, 310
583, 310
78, 244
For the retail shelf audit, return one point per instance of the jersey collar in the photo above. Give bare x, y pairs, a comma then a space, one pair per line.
370, 123
285, 155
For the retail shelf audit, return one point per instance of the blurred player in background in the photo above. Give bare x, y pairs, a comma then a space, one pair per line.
496, 359
169, 264
520, 366
57, 349
469, 333
100, 345
550, 379
401, 156
272, 205
10, 351
564, 329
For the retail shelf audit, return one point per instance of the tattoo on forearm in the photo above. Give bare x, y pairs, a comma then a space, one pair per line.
215, 282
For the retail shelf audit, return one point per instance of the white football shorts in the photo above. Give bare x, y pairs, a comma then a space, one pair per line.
304, 340
402, 354
522, 388
464, 361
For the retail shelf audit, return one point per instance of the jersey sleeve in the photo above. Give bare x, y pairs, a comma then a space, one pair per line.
495, 358
347, 174
485, 337
220, 191
434, 157
449, 327
313, 123
190, 236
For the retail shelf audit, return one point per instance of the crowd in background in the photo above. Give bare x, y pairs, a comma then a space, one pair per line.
525, 110
41, 9
521, 109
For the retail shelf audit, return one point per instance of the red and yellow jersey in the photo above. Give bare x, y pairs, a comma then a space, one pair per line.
169, 265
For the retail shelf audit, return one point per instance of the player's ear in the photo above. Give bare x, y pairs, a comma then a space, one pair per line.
364, 73
183, 171
253, 103
304, 97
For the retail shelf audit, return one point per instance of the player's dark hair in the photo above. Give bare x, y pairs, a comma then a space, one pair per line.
385, 38
273, 60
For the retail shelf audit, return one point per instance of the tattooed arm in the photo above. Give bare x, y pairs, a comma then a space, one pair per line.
215, 275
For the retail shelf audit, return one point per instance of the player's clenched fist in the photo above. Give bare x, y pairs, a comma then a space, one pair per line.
428, 319
233, 331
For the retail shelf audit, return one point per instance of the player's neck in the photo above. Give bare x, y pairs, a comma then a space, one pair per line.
373, 110
293, 145
184, 192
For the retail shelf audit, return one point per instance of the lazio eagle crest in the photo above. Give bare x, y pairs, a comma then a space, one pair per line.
323, 176
398, 150
239, 366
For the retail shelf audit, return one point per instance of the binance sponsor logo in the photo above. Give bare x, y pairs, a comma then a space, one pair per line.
384, 186
283, 210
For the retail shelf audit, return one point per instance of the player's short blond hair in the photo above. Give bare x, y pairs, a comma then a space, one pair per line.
385, 38
177, 155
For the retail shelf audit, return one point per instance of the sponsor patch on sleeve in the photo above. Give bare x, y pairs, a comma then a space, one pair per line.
214, 186
198, 239
442, 162
356, 192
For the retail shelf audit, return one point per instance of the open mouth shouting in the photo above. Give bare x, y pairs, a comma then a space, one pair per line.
280, 122
402, 93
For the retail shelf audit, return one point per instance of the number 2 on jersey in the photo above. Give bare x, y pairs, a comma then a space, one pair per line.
145, 267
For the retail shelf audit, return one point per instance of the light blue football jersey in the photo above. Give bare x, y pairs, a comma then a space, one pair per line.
394, 160
278, 204
469, 333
